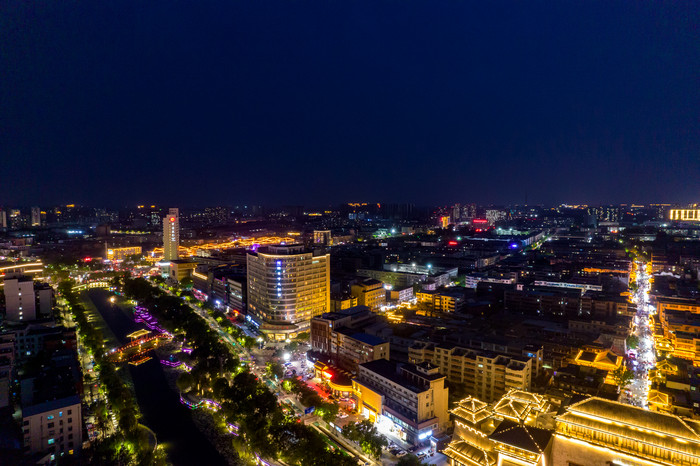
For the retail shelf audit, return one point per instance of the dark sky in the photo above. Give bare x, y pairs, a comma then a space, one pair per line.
433, 102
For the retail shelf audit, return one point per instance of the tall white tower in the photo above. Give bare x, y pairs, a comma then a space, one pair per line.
171, 235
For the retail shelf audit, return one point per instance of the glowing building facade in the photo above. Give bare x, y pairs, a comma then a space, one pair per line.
685, 215
288, 285
119, 254
171, 235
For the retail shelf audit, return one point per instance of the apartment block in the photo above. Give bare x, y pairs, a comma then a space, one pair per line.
340, 301
370, 293
53, 427
339, 337
486, 375
442, 300
410, 399
26, 300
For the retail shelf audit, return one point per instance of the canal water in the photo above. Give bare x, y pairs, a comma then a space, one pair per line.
160, 405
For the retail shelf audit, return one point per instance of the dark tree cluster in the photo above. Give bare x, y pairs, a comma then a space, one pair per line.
245, 401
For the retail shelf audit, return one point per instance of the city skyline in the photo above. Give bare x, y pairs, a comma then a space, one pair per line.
281, 104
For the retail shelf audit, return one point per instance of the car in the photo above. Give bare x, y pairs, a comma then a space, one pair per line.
421, 455
400, 453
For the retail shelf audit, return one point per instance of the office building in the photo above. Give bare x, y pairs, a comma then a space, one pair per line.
171, 235
323, 326
494, 215
237, 292
409, 400
179, 269
370, 293
288, 285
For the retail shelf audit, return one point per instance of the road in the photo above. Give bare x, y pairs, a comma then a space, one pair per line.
638, 390
244, 354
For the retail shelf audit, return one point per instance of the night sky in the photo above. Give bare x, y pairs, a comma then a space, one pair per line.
296, 102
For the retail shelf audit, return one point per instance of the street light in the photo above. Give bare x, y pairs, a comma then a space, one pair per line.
286, 357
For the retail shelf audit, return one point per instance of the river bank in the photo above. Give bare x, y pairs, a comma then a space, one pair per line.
160, 405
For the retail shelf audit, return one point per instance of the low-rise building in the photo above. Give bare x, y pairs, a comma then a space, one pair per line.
178, 269
400, 295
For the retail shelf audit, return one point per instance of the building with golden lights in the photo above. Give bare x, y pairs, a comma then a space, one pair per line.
171, 235
341, 301
598, 432
523, 430
288, 285
677, 328
370, 293
508, 432
485, 374
119, 254
600, 358
684, 215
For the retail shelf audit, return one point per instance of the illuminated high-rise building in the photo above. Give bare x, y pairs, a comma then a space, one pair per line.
171, 235
288, 285
36, 217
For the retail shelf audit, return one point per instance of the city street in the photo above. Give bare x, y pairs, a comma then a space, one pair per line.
644, 358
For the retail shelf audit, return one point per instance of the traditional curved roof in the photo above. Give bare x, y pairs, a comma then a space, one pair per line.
471, 410
469, 454
667, 366
658, 397
627, 416
511, 408
522, 395
531, 439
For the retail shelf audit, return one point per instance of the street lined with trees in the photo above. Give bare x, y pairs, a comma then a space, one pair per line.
246, 403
